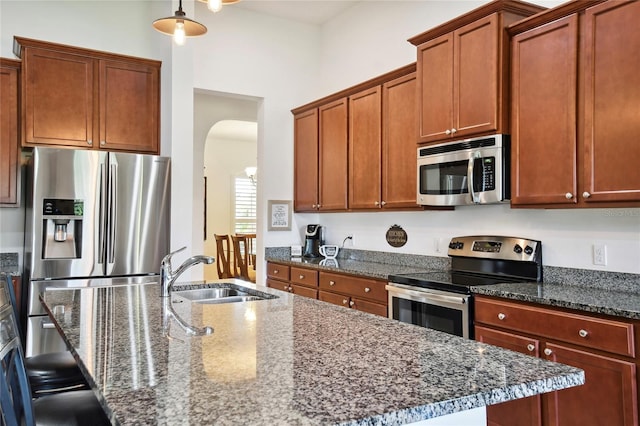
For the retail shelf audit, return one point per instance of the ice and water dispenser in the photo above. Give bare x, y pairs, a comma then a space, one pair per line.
62, 228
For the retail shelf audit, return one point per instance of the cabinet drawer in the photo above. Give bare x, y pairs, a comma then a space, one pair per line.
607, 335
353, 286
277, 271
304, 276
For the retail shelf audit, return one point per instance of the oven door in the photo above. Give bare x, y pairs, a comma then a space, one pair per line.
443, 311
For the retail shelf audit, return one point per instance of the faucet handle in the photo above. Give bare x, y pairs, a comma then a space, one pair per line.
167, 258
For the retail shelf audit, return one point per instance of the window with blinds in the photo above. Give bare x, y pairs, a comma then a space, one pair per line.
245, 206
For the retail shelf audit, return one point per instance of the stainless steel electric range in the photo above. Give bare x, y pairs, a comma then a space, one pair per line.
442, 300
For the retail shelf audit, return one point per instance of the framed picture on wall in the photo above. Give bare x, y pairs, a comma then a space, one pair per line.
279, 215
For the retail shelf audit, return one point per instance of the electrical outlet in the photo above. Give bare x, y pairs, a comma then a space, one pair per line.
600, 254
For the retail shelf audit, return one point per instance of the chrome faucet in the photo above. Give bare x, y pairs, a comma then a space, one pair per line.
168, 276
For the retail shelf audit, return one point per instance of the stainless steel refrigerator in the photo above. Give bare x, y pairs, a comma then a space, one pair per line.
93, 219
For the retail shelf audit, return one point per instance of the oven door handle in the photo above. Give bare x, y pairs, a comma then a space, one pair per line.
474, 155
428, 296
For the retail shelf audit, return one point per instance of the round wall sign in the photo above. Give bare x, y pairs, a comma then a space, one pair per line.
396, 236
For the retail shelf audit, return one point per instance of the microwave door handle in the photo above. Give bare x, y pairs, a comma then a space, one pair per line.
474, 197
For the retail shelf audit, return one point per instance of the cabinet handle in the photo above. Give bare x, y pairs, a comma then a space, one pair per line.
332, 283
548, 352
453, 131
344, 301
301, 277
501, 316
531, 347
583, 333
447, 132
367, 289
586, 194
568, 195
352, 303
90, 142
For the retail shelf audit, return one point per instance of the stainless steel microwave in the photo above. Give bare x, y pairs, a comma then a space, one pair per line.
465, 172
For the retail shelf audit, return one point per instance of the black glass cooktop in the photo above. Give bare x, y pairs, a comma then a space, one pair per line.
457, 282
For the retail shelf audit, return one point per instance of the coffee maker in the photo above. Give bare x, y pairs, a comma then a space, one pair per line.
313, 239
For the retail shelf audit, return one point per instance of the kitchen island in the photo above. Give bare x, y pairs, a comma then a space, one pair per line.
288, 360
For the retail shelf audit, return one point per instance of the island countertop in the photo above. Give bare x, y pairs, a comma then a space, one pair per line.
289, 360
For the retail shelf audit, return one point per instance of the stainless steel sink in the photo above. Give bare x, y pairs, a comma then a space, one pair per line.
223, 293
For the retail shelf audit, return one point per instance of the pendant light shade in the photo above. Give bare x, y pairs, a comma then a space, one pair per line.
216, 5
179, 26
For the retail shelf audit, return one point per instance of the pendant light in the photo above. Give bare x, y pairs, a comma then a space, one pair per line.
216, 5
179, 26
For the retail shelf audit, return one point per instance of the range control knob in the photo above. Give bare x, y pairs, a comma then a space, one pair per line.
517, 249
456, 245
528, 250
452, 245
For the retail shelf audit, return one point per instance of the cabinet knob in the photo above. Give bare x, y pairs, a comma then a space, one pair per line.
531, 347
313, 206
377, 203
448, 132
344, 301
453, 131
382, 203
332, 283
583, 333
90, 142
301, 277
276, 271
352, 303
318, 205
568, 195
501, 316
548, 351
367, 289
586, 194
103, 143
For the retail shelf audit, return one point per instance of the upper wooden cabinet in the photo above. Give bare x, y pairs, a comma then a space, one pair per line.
356, 149
576, 137
463, 73
332, 156
9, 152
89, 99
382, 146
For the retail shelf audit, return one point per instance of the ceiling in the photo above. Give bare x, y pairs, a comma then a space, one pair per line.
315, 12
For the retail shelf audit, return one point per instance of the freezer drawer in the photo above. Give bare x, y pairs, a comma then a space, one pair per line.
43, 337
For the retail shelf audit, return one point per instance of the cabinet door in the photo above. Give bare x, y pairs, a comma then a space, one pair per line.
399, 148
435, 89
608, 396
305, 161
365, 161
544, 63
369, 307
612, 96
333, 298
476, 77
58, 98
520, 412
333, 155
9, 153
277, 284
129, 106
303, 291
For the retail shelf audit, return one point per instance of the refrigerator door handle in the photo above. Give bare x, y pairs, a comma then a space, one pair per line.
102, 215
113, 208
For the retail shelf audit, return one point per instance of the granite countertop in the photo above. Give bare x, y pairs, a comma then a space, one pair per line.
288, 360
608, 301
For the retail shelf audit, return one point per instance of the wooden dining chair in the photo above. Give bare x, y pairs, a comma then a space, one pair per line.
251, 244
241, 254
223, 253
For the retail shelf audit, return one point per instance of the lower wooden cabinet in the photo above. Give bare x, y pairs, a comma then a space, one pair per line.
604, 348
363, 294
